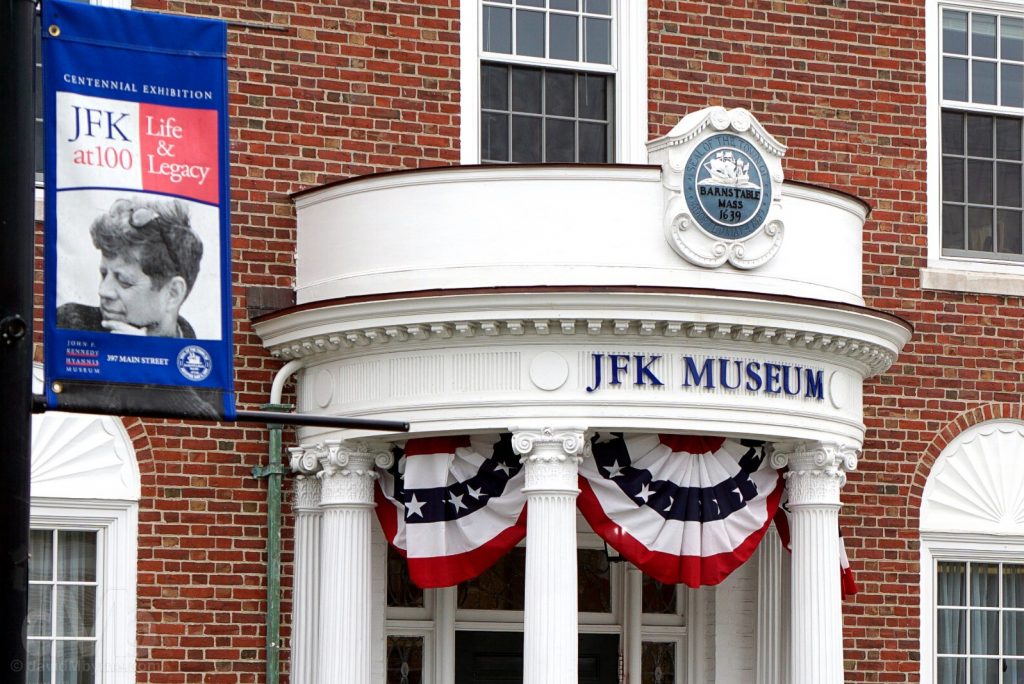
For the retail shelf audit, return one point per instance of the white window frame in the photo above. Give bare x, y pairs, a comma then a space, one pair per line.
629, 66
116, 524
959, 274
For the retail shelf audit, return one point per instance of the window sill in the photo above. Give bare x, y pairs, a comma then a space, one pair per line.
981, 282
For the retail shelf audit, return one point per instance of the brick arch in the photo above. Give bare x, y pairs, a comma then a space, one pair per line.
139, 436
952, 429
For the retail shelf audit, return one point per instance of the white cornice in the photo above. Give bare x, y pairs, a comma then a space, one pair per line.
871, 342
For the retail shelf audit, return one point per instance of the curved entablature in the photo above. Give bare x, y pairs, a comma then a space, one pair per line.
668, 362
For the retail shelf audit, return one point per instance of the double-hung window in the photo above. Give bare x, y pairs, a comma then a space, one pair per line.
546, 81
982, 146
554, 81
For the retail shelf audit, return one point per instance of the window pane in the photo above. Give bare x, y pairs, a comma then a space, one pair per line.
529, 33
954, 79
526, 139
498, 30
494, 86
572, 5
76, 611
979, 135
1009, 242
983, 35
40, 605
560, 93
560, 143
953, 179
532, 3
984, 632
954, 32
40, 564
76, 556
594, 584
527, 88
1012, 84
1014, 671
979, 235
1008, 142
593, 143
979, 181
952, 580
953, 229
494, 137
599, 7
1011, 38
1008, 184
1013, 633
1013, 586
657, 662
952, 636
983, 86
564, 37
76, 662
593, 97
952, 133
657, 598
405, 660
401, 591
984, 584
597, 41
500, 587
984, 671
39, 662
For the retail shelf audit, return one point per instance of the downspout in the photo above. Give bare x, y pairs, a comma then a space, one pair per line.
273, 471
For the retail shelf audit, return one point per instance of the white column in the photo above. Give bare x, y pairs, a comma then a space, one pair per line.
346, 502
817, 471
306, 567
550, 623
769, 638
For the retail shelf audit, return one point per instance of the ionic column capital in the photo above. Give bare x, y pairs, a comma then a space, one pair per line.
551, 458
348, 470
817, 470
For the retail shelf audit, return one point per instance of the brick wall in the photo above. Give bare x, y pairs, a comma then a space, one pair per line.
337, 88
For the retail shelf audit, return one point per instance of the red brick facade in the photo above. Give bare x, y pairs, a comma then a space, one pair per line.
338, 88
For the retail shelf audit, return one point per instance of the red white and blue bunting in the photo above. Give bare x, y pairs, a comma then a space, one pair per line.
453, 506
683, 509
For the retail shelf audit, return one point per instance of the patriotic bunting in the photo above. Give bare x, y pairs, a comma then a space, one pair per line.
453, 506
683, 509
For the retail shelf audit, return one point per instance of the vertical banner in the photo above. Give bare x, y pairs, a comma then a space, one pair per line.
137, 313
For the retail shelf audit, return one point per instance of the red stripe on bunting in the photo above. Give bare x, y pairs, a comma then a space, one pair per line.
692, 444
435, 445
693, 571
447, 571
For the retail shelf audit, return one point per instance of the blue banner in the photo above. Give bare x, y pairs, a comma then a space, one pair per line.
137, 301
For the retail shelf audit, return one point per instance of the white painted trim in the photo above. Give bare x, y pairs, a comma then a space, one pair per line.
631, 97
943, 267
117, 523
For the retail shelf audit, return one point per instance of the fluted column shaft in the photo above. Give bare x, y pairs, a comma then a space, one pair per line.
306, 567
770, 640
550, 624
817, 472
346, 504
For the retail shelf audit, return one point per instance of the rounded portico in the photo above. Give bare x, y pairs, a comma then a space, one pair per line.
699, 295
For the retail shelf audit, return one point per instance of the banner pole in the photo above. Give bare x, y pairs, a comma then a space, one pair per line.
17, 177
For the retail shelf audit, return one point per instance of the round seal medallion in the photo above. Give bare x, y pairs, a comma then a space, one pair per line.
194, 363
727, 187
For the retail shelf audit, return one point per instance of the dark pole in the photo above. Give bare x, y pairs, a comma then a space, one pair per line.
17, 227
